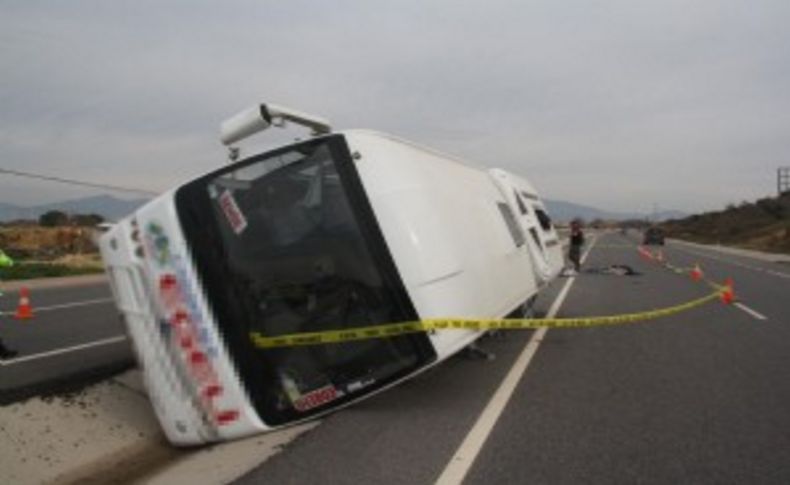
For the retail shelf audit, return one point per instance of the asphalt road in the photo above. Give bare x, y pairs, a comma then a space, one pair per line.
74, 337
699, 397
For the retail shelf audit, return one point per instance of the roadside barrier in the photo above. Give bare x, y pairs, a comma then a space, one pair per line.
723, 292
696, 273
728, 294
726, 291
24, 311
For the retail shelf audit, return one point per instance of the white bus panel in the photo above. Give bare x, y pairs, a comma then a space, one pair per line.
344, 230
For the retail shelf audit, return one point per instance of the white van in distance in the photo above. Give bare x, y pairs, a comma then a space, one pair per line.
344, 230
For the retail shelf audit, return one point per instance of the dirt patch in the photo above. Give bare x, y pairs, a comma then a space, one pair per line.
127, 466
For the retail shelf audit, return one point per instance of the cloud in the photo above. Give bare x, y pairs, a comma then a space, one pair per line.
604, 103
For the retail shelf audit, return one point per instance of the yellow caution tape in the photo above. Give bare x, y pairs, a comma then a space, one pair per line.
394, 329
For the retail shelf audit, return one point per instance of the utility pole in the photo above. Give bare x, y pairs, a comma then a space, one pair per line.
782, 180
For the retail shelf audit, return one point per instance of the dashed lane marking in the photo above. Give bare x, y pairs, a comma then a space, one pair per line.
63, 306
65, 350
750, 311
734, 263
459, 465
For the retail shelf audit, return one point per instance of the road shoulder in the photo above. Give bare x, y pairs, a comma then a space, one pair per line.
749, 253
59, 282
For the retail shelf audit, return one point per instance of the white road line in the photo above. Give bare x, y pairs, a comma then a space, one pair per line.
734, 263
754, 313
62, 306
459, 465
51, 353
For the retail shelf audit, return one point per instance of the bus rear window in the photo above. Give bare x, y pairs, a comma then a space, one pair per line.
285, 243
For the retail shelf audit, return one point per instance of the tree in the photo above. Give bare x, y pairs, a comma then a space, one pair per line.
88, 220
53, 218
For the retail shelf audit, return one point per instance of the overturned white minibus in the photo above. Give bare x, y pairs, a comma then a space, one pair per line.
344, 230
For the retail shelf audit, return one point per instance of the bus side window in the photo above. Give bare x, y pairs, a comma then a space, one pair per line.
544, 219
521, 206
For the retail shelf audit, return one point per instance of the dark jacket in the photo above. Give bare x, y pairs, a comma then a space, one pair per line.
577, 237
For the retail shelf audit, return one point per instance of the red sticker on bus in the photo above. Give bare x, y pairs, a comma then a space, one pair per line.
232, 212
316, 398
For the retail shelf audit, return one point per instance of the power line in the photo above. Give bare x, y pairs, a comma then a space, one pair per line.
95, 185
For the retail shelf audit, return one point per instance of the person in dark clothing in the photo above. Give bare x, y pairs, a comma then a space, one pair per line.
5, 352
576, 243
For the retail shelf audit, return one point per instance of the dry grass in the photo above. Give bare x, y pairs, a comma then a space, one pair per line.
80, 261
763, 225
42, 252
46, 243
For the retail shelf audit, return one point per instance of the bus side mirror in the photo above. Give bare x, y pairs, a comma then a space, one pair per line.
258, 118
244, 124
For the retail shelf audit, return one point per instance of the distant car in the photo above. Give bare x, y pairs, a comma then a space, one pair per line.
654, 235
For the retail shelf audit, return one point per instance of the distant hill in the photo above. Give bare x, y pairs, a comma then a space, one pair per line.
113, 208
10, 212
565, 211
762, 225
107, 206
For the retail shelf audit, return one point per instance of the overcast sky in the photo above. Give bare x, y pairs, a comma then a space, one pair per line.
622, 105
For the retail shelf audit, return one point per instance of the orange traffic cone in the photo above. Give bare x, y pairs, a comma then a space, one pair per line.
696, 273
24, 310
728, 294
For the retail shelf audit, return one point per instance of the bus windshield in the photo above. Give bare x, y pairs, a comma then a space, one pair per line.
286, 242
